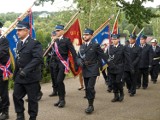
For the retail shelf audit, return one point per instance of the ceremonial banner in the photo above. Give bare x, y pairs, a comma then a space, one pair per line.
74, 33
103, 38
115, 25
13, 38
139, 37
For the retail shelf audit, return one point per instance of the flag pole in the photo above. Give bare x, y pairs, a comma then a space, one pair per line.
67, 25
74, 16
116, 19
12, 26
21, 17
140, 31
134, 29
103, 25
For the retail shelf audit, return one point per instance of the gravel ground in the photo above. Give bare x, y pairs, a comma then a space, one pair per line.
145, 105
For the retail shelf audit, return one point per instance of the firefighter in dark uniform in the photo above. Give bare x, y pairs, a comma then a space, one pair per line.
62, 46
135, 53
155, 61
4, 59
88, 58
116, 55
27, 72
51, 65
144, 63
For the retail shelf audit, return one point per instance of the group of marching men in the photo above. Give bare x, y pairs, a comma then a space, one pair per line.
139, 61
125, 64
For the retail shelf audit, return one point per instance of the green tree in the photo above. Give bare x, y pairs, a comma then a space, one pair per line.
7, 23
135, 11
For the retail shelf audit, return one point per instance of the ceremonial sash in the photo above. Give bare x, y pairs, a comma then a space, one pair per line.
65, 63
6, 72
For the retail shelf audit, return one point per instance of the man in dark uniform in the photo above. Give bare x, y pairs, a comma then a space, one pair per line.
116, 55
51, 65
62, 46
88, 58
155, 61
27, 72
130, 79
4, 60
144, 63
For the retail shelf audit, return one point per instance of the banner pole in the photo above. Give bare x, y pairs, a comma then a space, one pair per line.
21, 17
74, 16
103, 25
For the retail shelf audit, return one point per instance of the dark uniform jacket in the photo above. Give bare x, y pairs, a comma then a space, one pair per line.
65, 45
90, 57
117, 56
155, 54
146, 57
4, 53
135, 54
29, 60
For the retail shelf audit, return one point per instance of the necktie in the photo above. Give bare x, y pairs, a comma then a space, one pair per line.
142, 46
154, 48
21, 43
86, 45
130, 45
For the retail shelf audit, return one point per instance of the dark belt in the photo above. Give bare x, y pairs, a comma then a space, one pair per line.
89, 62
31, 71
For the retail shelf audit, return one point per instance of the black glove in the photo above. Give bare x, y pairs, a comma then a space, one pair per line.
22, 75
132, 71
150, 68
80, 62
76, 67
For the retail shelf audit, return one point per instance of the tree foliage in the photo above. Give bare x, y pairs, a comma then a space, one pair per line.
135, 11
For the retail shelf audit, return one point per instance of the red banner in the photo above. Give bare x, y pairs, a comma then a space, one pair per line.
115, 27
74, 33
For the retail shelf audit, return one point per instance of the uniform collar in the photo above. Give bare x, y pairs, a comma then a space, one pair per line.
116, 45
131, 45
61, 37
87, 43
25, 39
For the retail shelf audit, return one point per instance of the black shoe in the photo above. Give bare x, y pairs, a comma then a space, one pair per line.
40, 94
32, 118
109, 90
89, 110
144, 88
20, 116
137, 87
53, 94
56, 104
154, 82
116, 97
61, 104
121, 97
115, 100
131, 95
4, 116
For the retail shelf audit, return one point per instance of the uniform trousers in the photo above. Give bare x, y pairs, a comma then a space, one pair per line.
31, 90
4, 95
131, 81
89, 85
117, 82
143, 72
59, 75
154, 72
